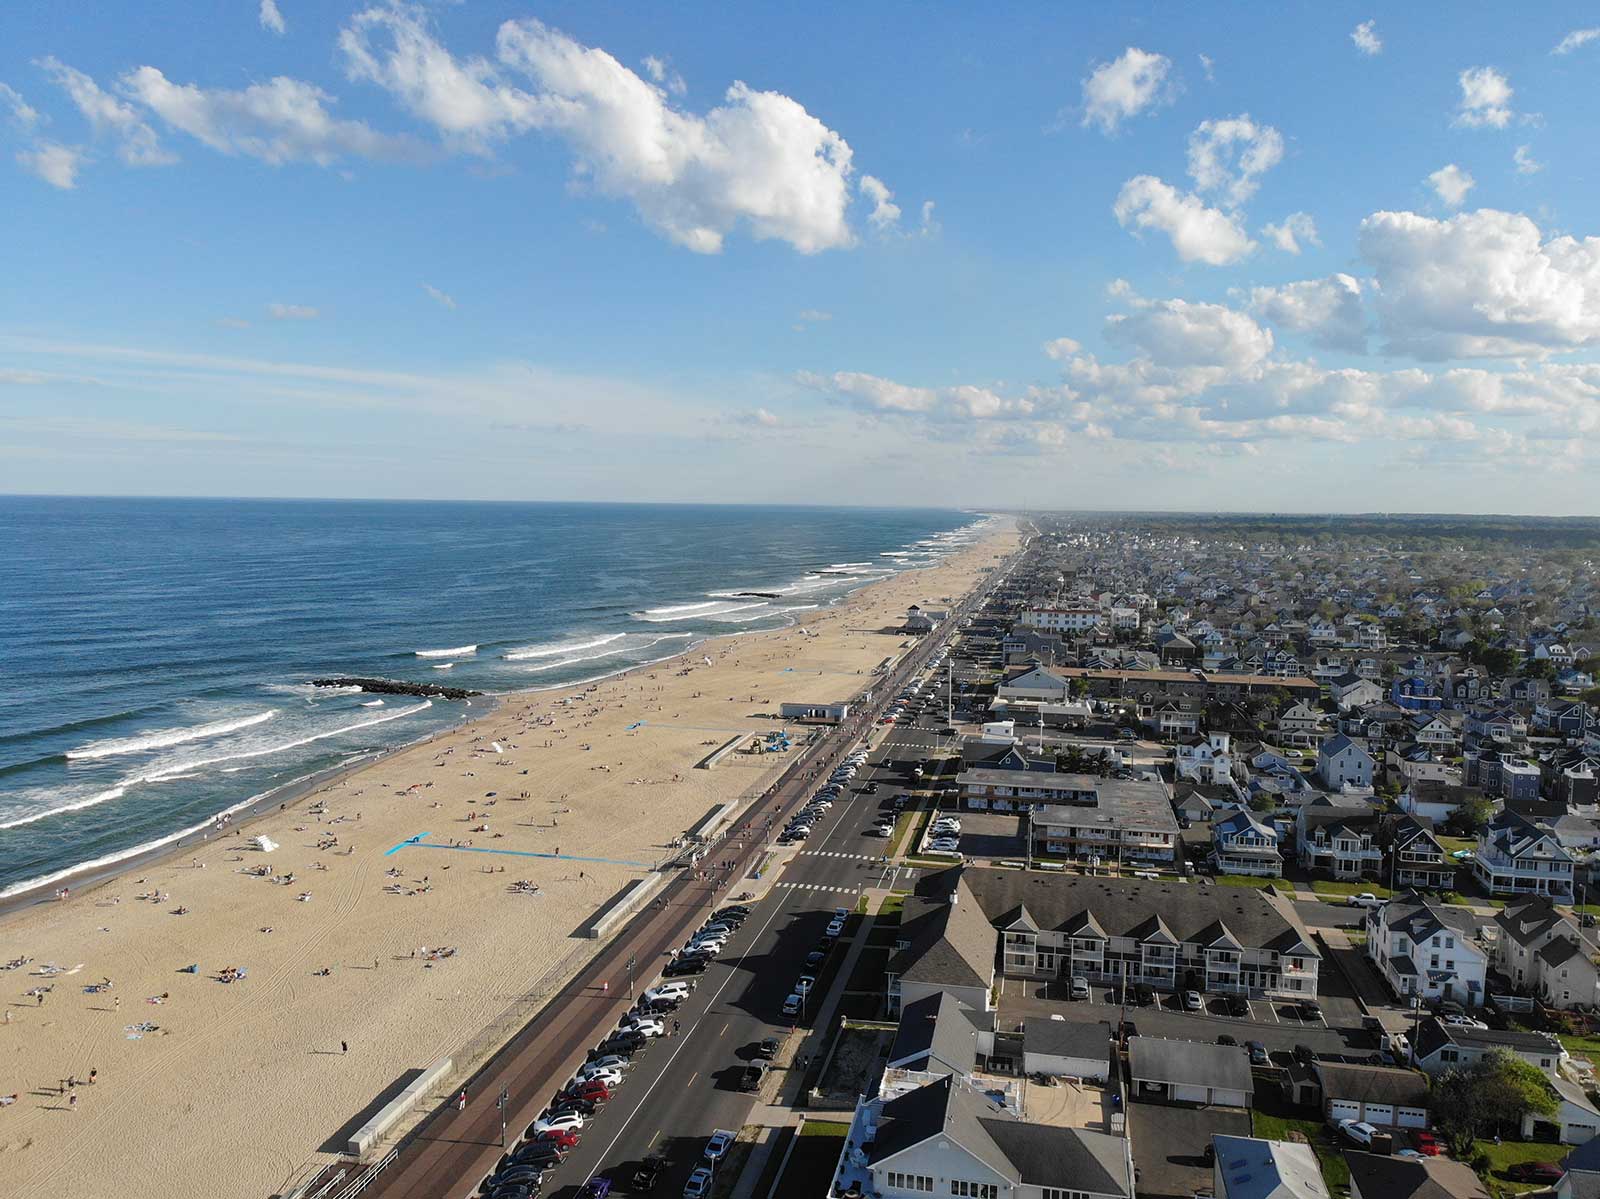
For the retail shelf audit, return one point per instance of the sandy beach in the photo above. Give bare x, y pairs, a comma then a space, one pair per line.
325, 969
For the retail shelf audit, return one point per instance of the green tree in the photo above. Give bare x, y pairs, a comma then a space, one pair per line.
1490, 1097
1472, 815
1540, 668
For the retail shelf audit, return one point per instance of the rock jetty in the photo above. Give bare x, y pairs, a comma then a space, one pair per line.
398, 687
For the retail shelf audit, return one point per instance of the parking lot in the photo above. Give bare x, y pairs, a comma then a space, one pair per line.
994, 835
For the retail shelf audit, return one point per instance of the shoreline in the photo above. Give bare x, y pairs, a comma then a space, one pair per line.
86, 877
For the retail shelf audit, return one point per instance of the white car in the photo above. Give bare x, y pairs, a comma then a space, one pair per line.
885, 831
648, 1026
611, 1078
835, 926
670, 990
1365, 900
944, 844
947, 826
1358, 1131
1463, 1022
566, 1120
612, 1061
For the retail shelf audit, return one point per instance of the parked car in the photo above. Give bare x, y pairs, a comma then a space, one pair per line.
1258, 1053
718, 1144
1358, 1131
1080, 987
573, 1120
1238, 1005
792, 1005
1192, 1001
750, 1077
595, 1188
1225, 1039
699, 1183
767, 1050
1364, 900
591, 1089
684, 966
835, 926
1546, 1172
1426, 1143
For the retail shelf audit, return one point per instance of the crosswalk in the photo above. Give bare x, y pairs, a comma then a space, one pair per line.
820, 887
828, 853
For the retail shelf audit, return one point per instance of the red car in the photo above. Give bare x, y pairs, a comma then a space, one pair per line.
594, 1090
1426, 1142
1535, 1172
561, 1138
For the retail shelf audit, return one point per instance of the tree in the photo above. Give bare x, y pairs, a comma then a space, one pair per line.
1491, 1096
1472, 815
1540, 668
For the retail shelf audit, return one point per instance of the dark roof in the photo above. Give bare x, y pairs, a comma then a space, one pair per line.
1419, 919
952, 940
935, 1030
1382, 1177
1434, 1036
1067, 1038
1528, 920
1117, 906
1373, 1084
1189, 1063
1034, 1154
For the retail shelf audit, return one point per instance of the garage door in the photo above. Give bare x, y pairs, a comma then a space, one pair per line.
1380, 1114
1411, 1117
1577, 1134
1192, 1094
1343, 1109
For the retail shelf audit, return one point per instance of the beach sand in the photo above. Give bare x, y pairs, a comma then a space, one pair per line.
241, 1086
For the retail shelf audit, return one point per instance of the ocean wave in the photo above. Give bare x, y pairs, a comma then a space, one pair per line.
460, 651
444, 666
701, 612
78, 805
373, 703
161, 740
555, 649
610, 653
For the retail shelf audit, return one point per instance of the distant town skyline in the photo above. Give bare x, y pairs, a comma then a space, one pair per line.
1242, 259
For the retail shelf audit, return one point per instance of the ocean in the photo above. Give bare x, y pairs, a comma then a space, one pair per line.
156, 655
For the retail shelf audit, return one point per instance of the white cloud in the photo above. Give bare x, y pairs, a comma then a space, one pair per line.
1485, 99
1366, 38
1181, 333
1481, 284
877, 395
56, 164
23, 115
1208, 68
439, 297
292, 312
1295, 228
1328, 310
1451, 184
283, 120
1231, 155
137, 144
764, 418
758, 161
885, 212
930, 226
813, 315
1575, 39
271, 19
661, 73
1123, 88
1526, 164
1198, 233
1061, 348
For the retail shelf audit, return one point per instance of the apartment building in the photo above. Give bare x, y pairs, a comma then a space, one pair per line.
1107, 821
1065, 620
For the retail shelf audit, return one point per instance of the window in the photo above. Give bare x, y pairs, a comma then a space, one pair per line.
910, 1182
1055, 1193
974, 1190
1448, 1055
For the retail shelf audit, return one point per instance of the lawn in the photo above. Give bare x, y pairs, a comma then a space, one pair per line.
1588, 1047
1245, 880
809, 1170
894, 905
1328, 887
1509, 1153
1451, 844
1335, 1171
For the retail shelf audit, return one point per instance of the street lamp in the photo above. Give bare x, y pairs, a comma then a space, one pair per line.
502, 1103
630, 975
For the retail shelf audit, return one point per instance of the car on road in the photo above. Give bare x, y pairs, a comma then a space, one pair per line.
564, 1120
836, 926
718, 1144
1547, 1172
767, 1050
1258, 1053
870, 789
648, 1174
884, 830
595, 1188
1358, 1131
750, 1077
1080, 987
699, 1184
1366, 899
1192, 1001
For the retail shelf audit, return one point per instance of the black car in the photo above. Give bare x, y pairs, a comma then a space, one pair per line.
560, 1107
1225, 1039
648, 1173
518, 1174
750, 1077
1310, 1009
871, 788
733, 909
539, 1153
684, 966
1304, 1054
1144, 994
514, 1190
767, 1049
1238, 1005
815, 958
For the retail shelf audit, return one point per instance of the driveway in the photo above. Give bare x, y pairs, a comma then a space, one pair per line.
1168, 1142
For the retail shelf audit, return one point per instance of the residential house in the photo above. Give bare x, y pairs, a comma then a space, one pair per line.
1515, 856
1302, 726
944, 943
1108, 821
1063, 620
1343, 763
1380, 1176
1068, 1048
1197, 1072
1350, 691
1439, 1047
1241, 844
1252, 1168
1436, 800
1417, 861
1576, 1122
1428, 950
1544, 953
1339, 837
947, 1138
1206, 760
1415, 694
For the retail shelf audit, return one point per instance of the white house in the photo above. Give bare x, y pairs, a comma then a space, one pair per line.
1206, 760
1517, 857
1241, 844
1429, 950
1544, 953
1064, 620
1341, 762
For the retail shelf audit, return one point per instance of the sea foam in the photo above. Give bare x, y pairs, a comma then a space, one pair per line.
160, 740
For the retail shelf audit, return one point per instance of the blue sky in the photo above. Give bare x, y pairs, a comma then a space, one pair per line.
1291, 257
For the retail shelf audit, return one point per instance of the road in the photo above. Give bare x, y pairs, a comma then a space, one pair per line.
682, 1087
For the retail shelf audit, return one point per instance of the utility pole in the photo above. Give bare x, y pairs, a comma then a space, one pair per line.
630, 975
502, 1103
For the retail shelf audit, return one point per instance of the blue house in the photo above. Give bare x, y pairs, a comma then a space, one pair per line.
1415, 694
